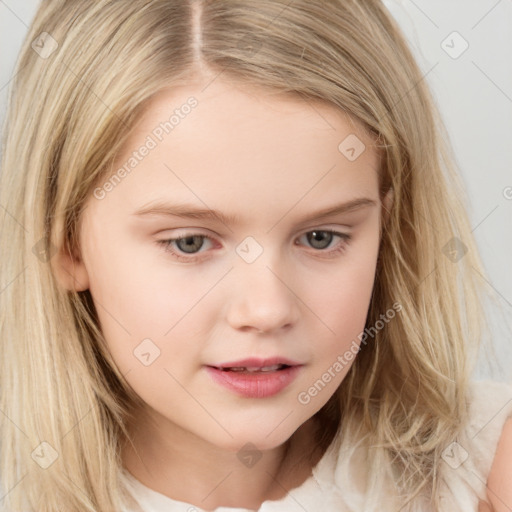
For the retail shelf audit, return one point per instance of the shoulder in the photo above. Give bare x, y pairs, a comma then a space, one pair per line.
490, 436
489, 408
465, 468
499, 491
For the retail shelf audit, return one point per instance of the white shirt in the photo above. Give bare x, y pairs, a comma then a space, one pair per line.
338, 487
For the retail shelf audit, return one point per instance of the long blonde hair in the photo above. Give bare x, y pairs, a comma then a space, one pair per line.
85, 73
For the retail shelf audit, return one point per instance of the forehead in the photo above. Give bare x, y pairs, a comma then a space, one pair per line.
230, 145
244, 107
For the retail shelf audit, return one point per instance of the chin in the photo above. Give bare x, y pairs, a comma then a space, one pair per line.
247, 439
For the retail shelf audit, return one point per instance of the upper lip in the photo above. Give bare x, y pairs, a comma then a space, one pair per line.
256, 362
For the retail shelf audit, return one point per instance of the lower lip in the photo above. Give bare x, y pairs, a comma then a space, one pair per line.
256, 384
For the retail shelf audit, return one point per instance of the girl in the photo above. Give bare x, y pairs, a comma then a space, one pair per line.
236, 246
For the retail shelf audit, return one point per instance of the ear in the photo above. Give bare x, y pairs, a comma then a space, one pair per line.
387, 204
69, 270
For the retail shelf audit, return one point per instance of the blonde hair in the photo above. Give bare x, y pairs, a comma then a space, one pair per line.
69, 114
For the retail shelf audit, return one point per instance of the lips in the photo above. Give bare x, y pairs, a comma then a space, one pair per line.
272, 368
254, 364
254, 377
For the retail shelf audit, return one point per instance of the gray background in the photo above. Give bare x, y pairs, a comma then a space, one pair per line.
474, 93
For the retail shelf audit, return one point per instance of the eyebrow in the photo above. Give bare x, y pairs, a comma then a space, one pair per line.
189, 211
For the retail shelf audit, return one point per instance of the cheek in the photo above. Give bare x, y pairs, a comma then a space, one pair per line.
342, 300
144, 301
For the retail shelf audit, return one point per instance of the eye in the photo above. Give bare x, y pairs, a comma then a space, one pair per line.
189, 244
187, 247
321, 239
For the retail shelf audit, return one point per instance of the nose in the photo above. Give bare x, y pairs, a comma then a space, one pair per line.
262, 300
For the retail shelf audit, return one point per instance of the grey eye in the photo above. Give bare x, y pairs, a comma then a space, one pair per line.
320, 239
190, 244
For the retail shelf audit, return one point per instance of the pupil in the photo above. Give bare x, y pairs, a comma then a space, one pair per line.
319, 237
189, 246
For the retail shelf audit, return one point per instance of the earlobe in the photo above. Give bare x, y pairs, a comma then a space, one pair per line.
70, 271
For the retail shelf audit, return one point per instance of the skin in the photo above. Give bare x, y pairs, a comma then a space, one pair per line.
272, 160
499, 490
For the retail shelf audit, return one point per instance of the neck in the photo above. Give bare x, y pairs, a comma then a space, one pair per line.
178, 464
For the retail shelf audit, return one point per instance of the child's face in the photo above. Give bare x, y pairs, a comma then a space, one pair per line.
255, 287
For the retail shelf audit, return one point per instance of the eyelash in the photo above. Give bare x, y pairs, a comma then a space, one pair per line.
166, 245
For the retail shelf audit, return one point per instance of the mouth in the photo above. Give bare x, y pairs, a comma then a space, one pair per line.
256, 364
253, 369
255, 378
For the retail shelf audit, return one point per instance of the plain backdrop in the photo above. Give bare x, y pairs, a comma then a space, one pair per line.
464, 48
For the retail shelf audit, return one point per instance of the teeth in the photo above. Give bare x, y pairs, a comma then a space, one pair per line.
255, 368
